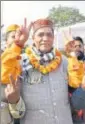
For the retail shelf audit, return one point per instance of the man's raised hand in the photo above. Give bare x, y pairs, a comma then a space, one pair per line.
22, 34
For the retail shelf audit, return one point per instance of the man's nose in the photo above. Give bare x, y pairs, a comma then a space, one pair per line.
78, 47
45, 38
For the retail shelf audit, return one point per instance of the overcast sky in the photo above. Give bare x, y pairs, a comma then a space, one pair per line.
15, 11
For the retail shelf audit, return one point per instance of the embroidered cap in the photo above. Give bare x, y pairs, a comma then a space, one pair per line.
40, 23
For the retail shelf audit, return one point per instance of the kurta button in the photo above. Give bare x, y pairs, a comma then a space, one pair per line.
56, 117
51, 79
53, 91
54, 103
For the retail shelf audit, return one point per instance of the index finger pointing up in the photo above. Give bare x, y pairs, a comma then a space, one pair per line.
30, 26
12, 82
25, 22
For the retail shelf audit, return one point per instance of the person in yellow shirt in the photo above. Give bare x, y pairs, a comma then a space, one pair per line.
9, 37
75, 50
75, 66
75, 54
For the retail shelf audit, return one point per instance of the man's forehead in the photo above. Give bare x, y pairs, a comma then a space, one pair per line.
77, 42
44, 29
12, 33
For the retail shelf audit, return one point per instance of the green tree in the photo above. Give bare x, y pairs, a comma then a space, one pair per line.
64, 16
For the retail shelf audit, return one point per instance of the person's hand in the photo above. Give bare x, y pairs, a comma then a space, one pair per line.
68, 41
22, 34
12, 91
69, 46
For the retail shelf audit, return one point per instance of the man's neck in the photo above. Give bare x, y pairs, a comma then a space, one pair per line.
44, 52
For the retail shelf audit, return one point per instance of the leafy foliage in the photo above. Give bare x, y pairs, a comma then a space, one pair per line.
64, 16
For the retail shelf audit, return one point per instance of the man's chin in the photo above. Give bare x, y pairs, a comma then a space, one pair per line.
44, 50
80, 56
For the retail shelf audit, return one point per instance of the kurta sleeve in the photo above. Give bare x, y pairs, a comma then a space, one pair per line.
75, 72
10, 63
17, 110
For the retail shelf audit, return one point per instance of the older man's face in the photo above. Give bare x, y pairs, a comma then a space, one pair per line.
43, 39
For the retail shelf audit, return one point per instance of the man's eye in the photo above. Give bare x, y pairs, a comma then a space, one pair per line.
13, 36
41, 34
45, 34
49, 34
78, 46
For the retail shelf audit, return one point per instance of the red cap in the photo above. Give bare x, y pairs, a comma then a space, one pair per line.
40, 23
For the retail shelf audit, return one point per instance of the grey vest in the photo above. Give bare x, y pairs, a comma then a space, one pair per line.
46, 97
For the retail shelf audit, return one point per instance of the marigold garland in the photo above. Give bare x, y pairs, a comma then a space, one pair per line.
54, 64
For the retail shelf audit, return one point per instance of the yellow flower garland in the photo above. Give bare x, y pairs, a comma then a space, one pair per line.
54, 64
